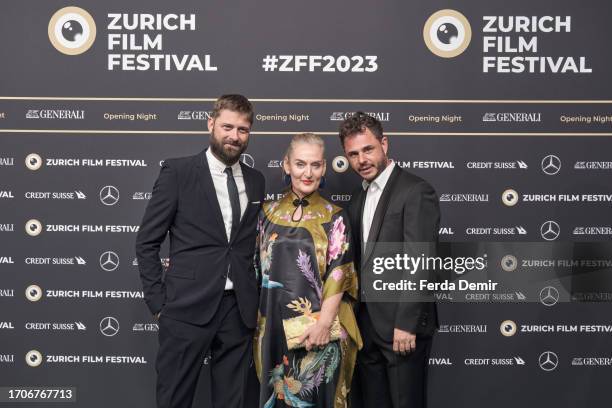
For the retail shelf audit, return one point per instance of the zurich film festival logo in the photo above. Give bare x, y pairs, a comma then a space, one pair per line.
72, 30
447, 33
509, 263
340, 164
508, 328
33, 227
33, 358
33, 161
510, 197
33, 293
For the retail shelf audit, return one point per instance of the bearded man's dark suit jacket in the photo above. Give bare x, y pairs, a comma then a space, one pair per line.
191, 296
408, 211
184, 204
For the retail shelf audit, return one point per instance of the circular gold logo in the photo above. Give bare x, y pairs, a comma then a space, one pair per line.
33, 161
33, 293
508, 328
33, 227
510, 197
447, 33
34, 358
509, 263
340, 164
72, 30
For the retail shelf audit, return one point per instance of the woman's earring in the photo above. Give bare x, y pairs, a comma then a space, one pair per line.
287, 179
322, 182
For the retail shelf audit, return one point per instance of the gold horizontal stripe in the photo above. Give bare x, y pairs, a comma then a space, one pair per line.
426, 101
201, 132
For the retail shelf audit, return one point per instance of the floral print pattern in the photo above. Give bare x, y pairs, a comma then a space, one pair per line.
307, 261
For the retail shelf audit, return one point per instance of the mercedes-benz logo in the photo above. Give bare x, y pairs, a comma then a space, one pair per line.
548, 361
247, 159
550, 230
551, 165
109, 195
109, 261
109, 326
549, 296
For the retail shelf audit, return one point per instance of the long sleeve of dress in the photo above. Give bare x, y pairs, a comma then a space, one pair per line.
340, 273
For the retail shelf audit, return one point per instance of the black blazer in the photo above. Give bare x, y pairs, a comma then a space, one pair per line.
185, 205
408, 211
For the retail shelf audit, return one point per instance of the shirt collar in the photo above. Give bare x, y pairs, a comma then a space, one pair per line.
381, 180
217, 166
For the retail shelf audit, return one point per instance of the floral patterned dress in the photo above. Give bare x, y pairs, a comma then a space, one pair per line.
299, 265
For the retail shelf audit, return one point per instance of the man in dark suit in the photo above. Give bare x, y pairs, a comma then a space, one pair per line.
207, 301
393, 206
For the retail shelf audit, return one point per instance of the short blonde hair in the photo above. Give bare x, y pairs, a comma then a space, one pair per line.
309, 138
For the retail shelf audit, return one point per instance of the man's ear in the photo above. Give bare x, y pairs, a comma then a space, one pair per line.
385, 144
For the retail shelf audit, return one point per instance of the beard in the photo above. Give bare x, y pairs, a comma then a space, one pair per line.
227, 155
380, 166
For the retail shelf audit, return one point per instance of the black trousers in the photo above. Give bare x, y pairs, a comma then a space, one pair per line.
183, 347
384, 378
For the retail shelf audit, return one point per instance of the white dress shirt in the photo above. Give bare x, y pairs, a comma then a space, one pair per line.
219, 177
374, 191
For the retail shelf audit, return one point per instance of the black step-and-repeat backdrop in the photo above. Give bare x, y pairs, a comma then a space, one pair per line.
504, 106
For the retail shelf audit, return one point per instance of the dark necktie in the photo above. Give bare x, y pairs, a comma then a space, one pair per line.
232, 189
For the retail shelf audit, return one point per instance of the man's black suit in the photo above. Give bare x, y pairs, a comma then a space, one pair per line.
408, 211
197, 315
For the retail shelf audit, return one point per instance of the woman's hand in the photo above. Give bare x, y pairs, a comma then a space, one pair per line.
317, 335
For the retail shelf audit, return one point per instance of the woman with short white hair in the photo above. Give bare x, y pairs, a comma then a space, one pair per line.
307, 337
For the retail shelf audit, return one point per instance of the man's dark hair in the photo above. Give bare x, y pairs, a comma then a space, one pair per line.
358, 123
234, 103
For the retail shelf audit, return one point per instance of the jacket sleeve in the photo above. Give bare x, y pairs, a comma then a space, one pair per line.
158, 217
421, 216
260, 233
355, 224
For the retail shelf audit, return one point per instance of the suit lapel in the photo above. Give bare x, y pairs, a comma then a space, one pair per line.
357, 220
207, 188
249, 187
357, 224
379, 214
248, 182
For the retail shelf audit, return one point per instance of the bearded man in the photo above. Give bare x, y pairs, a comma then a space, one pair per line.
207, 301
